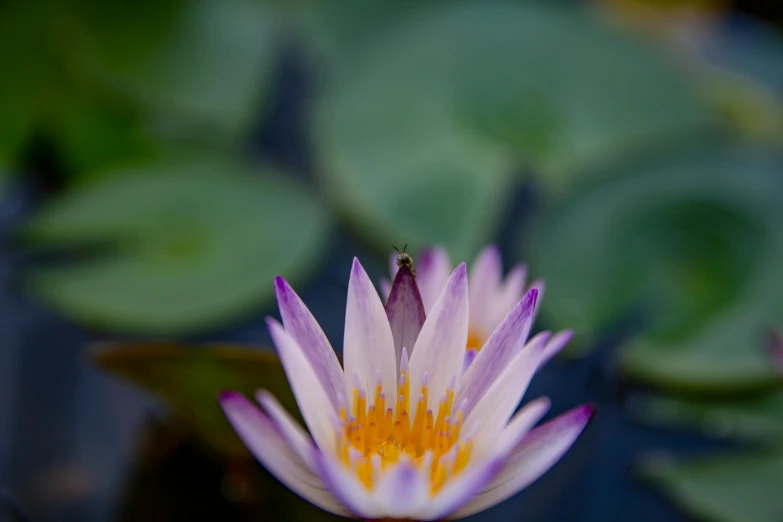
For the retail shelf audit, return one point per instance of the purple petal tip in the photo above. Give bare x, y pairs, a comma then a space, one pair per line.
229, 395
588, 412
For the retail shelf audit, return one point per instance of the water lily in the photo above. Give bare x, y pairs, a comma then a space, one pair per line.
409, 436
491, 295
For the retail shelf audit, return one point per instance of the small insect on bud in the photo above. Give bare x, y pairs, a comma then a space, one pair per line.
403, 259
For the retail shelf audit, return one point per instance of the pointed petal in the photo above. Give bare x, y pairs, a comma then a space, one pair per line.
522, 422
461, 489
440, 348
346, 488
484, 281
555, 344
307, 333
403, 490
497, 405
405, 311
514, 285
537, 452
310, 396
539, 285
432, 271
504, 343
299, 440
510, 292
258, 432
368, 346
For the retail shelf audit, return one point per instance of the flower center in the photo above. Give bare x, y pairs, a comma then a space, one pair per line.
377, 435
475, 339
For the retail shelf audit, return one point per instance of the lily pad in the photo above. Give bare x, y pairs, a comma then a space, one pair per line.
728, 488
175, 246
189, 378
756, 419
207, 62
697, 242
419, 136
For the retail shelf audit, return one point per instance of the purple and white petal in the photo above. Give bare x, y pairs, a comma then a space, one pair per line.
405, 311
440, 347
484, 282
368, 347
539, 285
556, 343
504, 343
346, 488
306, 331
522, 422
535, 454
433, 268
313, 402
510, 292
262, 438
403, 490
299, 440
499, 402
459, 490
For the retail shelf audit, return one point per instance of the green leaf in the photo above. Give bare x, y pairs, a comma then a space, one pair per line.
207, 62
757, 418
697, 241
729, 488
95, 133
189, 378
176, 246
420, 136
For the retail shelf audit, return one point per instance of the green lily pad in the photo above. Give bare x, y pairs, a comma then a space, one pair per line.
189, 378
756, 419
728, 488
418, 138
695, 240
207, 62
175, 246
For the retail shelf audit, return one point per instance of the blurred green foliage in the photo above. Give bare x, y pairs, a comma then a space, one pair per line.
726, 488
693, 240
175, 246
421, 133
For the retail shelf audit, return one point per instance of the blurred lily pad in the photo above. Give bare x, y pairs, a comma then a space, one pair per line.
728, 488
207, 62
189, 378
176, 245
419, 137
756, 419
697, 242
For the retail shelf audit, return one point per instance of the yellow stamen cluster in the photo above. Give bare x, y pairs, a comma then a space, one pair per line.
375, 436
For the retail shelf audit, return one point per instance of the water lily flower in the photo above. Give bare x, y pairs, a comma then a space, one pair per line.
491, 295
407, 437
